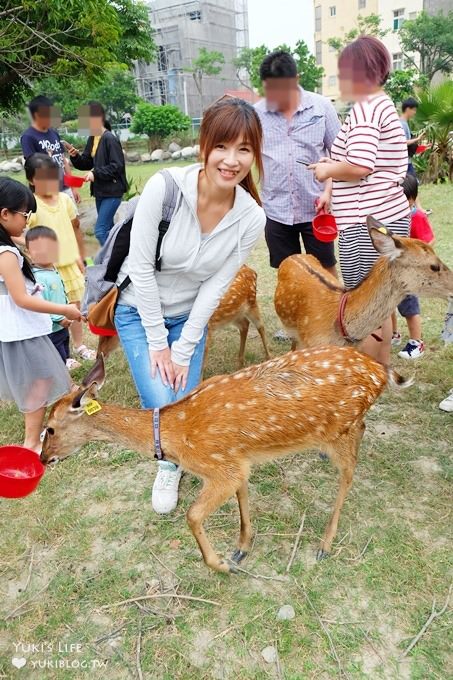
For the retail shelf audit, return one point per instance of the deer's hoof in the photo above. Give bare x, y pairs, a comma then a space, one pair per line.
322, 555
228, 567
239, 555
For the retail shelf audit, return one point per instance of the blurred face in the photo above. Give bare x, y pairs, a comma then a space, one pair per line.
14, 221
43, 251
46, 181
92, 124
46, 117
354, 86
410, 113
281, 93
229, 162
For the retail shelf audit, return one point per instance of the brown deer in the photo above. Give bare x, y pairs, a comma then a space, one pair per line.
239, 306
316, 309
301, 400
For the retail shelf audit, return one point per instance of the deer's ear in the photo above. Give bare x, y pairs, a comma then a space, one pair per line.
83, 396
96, 374
383, 239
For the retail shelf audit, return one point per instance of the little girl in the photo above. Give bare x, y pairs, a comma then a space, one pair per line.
31, 371
56, 210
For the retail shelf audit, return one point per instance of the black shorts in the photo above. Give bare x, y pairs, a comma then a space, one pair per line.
60, 340
410, 306
283, 240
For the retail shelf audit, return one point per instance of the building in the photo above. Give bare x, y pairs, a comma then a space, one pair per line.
182, 27
335, 18
436, 6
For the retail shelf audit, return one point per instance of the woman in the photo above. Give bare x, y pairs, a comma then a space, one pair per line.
104, 158
161, 318
368, 165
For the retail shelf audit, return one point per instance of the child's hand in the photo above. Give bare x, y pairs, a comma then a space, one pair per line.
80, 265
66, 323
72, 312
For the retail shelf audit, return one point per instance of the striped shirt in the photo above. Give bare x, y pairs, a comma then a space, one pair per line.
288, 188
371, 137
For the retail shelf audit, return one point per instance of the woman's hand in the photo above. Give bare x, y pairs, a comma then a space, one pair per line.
323, 202
89, 177
161, 359
181, 373
72, 312
323, 169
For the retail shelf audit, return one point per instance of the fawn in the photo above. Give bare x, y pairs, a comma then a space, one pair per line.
312, 304
301, 400
239, 307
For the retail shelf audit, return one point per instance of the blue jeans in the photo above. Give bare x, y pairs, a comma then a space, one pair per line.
106, 209
152, 391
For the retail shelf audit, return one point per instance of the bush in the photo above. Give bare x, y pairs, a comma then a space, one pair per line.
158, 122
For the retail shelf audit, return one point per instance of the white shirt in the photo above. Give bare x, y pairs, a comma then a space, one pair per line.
18, 323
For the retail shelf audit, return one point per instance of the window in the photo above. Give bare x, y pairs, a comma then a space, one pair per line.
333, 11
362, 4
332, 81
318, 19
195, 15
318, 51
398, 61
398, 19
162, 63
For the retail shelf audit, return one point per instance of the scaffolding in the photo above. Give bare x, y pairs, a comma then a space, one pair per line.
181, 29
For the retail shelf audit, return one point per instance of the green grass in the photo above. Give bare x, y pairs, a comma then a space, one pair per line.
96, 541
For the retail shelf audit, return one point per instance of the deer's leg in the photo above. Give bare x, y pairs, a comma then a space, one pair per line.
293, 345
344, 457
243, 326
255, 318
246, 527
212, 496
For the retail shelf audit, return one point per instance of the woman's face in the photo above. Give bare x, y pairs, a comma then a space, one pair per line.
229, 162
353, 88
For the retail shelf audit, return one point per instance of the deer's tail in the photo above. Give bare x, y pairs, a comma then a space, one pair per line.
398, 381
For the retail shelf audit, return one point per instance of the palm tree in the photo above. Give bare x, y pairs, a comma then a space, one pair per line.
435, 115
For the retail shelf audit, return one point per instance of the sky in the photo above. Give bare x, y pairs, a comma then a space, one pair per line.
273, 22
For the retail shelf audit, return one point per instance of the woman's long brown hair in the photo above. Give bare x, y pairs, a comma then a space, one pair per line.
225, 121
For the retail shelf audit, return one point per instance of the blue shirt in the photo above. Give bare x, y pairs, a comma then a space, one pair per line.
35, 141
288, 188
52, 290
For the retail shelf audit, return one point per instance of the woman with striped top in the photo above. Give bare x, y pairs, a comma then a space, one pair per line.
368, 165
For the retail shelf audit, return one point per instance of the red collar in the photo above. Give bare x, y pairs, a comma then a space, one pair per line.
341, 323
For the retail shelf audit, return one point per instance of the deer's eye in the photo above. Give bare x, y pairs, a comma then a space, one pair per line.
50, 430
435, 268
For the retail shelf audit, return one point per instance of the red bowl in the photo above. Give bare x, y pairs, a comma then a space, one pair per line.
20, 471
105, 332
73, 181
325, 227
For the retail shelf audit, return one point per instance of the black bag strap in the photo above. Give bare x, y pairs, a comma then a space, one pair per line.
168, 208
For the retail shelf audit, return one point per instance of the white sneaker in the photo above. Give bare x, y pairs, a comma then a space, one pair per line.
396, 338
281, 335
86, 353
165, 488
72, 364
447, 403
413, 350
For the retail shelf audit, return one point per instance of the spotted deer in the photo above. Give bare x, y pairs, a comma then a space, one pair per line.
316, 309
301, 400
239, 307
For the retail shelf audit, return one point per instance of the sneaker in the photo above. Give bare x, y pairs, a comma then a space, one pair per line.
86, 353
165, 488
447, 403
396, 339
413, 350
282, 336
428, 211
72, 364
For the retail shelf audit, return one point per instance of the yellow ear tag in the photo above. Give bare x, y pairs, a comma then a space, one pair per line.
383, 230
92, 407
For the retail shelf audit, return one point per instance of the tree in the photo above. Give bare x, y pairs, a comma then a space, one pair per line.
157, 122
67, 38
249, 61
309, 72
431, 37
369, 25
435, 115
206, 64
117, 93
401, 85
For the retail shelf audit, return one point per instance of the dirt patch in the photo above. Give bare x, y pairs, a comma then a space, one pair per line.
386, 430
428, 466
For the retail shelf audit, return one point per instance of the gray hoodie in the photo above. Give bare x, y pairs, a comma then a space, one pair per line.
196, 271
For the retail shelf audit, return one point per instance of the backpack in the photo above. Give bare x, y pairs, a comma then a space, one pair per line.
101, 277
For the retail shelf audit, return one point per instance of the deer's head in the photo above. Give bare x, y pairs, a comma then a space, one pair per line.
69, 426
415, 263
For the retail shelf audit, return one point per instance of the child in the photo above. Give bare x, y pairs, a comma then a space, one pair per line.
31, 373
410, 307
42, 245
56, 210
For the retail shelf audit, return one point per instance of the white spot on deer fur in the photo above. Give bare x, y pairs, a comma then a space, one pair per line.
217, 456
342, 402
242, 407
238, 376
355, 393
251, 402
318, 381
332, 379
209, 387
272, 419
375, 379
181, 415
224, 380
228, 405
